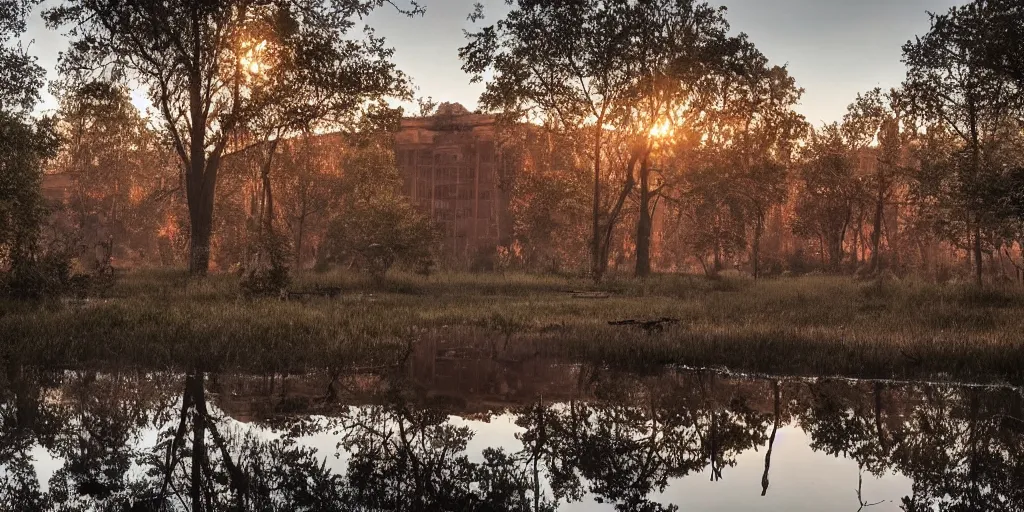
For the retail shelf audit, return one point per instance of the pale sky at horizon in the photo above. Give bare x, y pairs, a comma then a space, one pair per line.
834, 48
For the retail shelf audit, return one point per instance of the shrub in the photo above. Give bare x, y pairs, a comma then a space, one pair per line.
267, 273
268, 280
379, 233
47, 275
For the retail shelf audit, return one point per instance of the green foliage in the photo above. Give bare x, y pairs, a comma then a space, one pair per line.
123, 178
268, 274
586, 65
549, 200
380, 232
22, 149
965, 79
829, 192
21, 77
41, 276
24, 145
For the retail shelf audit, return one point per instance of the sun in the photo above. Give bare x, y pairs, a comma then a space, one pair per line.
252, 58
661, 130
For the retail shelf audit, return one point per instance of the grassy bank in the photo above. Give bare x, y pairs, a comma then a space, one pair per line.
801, 326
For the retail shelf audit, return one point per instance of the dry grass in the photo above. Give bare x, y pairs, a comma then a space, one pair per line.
801, 326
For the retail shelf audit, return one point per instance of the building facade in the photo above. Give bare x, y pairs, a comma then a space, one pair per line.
452, 169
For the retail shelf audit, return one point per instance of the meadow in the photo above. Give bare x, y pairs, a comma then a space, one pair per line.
806, 326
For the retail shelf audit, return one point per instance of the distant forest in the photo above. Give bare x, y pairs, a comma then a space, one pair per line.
644, 137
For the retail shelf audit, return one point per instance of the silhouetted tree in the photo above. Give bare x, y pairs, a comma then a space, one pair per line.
950, 81
829, 193
195, 59
610, 71
24, 142
879, 117
124, 178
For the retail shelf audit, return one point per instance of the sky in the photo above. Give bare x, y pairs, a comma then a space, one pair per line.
834, 48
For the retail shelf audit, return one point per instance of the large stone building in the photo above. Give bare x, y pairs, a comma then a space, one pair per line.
453, 170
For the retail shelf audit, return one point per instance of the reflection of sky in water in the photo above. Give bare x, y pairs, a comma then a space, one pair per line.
45, 465
907, 431
801, 479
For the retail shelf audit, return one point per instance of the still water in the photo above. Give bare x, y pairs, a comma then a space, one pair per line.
485, 436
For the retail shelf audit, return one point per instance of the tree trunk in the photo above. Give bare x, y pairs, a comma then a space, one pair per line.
299, 234
268, 195
977, 255
771, 439
879, 428
975, 170
835, 253
716, 266
605, 243
194, 383
201, 175
876, 230
644, 223
596, 265
855, 245
201, 220
268, 201
756, 246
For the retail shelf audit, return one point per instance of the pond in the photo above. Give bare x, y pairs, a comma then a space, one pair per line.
449, 434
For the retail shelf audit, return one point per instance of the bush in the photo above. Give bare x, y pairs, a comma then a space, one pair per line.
798, 263
267, 274
378, 234
45, 276
262, 281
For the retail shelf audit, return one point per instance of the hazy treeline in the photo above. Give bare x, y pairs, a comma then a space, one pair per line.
658, 115
650, 137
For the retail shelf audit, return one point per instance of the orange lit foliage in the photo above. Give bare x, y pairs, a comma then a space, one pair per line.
549, 201
124, 189
314, 177
308, 182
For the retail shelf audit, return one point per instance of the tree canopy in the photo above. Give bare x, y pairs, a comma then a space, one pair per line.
203, 63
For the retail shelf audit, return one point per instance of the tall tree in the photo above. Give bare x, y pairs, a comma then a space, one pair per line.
122, 174
24, 142
878, 118
951, 80
196, 59
829, 193
609, 70
294, 94
760, 132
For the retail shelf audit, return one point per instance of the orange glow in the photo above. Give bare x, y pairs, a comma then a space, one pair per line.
661, 130
252, 59
136, 194
170, 228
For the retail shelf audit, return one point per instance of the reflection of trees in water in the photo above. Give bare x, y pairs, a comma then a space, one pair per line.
962, 447
404, 457
643, 433
91, 425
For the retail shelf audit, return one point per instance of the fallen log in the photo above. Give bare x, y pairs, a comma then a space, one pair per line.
328, 292
657, 325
